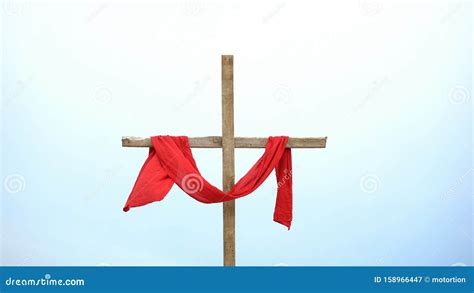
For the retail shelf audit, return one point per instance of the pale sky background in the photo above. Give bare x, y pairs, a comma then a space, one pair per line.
389, 82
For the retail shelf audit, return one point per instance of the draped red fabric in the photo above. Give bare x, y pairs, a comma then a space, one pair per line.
171, 161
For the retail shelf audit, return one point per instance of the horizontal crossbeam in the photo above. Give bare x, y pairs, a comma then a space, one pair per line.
239, 142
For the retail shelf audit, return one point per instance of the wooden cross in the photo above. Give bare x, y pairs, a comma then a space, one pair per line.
228, 143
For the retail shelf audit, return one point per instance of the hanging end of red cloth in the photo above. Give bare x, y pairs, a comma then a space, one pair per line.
284, 219
284, 202
287, 224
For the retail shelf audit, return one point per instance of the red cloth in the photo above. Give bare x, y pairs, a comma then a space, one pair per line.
170, 161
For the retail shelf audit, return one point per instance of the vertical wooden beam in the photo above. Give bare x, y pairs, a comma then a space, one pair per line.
228, 172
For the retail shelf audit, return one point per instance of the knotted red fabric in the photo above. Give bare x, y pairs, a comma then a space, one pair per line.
171, 161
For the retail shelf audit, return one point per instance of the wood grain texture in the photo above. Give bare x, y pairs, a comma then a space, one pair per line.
239, 142
228, 164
